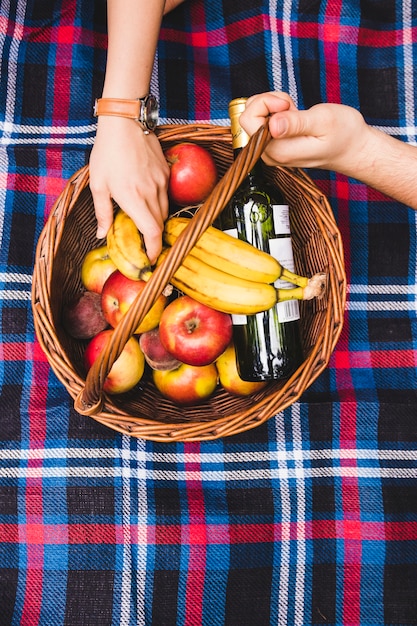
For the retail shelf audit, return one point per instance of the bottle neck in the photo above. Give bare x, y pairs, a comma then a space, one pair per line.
256, 171
240, 138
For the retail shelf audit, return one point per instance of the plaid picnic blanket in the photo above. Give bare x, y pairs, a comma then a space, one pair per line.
308, 519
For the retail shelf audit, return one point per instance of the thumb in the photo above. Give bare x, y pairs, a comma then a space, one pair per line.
292, 124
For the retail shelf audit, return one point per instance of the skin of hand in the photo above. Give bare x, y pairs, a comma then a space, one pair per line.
334, 137
129, 166
126, 165
325, 136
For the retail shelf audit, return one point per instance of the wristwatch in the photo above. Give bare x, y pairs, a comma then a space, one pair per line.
142, 110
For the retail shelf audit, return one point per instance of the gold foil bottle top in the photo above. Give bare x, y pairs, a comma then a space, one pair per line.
239, 137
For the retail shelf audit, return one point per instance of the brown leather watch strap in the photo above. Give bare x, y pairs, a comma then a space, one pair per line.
118, 107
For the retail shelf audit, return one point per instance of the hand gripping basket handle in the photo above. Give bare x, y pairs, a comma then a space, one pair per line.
90, 400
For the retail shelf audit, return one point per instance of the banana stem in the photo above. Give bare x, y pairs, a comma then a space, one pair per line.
145, 273
315, 288
292, 293
294, 279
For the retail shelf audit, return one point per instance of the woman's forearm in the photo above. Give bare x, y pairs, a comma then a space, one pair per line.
127, 165
133, 30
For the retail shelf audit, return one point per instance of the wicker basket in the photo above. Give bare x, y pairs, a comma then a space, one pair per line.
70, 232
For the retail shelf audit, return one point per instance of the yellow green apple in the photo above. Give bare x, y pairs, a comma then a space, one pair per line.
96, 268
229, 376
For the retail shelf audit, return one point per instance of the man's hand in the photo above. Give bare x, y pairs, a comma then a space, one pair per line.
325, 136
334, 137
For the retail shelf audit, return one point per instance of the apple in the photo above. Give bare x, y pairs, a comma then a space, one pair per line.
128, 368
117, 296
193, 173
82, 317
96, 268
187, 384
229, 376
156, 355
193, 332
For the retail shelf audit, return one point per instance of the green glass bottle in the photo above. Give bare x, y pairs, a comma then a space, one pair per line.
268, 344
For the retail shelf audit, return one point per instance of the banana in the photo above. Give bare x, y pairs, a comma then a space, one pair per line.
219, 290
126, 248
234, 256
232, 294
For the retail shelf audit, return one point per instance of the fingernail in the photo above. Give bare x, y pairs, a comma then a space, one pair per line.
100, 232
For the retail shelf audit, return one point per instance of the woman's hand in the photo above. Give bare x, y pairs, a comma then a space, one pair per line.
129, 167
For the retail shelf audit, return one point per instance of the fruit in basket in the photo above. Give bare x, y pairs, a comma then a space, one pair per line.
119, 292
229, 376
219, 290
193, 332
187, 384
128, 368
127, 249
96, 268
83, 317
234, 256
219, 249
232, 294
193, 173
156, 355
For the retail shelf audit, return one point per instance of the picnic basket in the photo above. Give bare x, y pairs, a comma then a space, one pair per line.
70, 231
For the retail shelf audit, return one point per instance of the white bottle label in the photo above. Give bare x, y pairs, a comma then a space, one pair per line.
281, 217
281, 249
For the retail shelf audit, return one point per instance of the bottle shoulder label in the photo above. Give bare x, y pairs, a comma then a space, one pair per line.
281, 213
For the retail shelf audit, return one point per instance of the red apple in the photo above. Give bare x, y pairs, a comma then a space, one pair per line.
117, 296
96, 268
193, 173
82, 317
126, 371
187, 384
193, 332
229, 376
156, 355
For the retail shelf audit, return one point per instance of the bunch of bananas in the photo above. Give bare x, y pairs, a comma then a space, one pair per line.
126, 248
221, 271
232, 276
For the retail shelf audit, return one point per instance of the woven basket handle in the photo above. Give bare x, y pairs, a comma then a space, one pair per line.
90, 400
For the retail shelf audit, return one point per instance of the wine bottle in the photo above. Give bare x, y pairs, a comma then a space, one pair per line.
268, 344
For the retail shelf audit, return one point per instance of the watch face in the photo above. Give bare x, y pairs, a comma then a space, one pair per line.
151, 112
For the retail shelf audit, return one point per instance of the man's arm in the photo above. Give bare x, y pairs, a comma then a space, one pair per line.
334, 137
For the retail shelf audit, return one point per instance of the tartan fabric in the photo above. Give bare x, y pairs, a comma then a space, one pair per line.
308, 519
